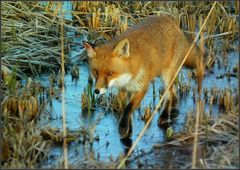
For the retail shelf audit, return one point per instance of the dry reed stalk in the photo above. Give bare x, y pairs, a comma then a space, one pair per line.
218, 138
30, 38
63, 95
194, 153
164, 94
21, 108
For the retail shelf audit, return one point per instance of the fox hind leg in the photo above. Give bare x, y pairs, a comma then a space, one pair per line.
169, 107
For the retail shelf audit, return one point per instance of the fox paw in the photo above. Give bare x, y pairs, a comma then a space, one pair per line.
163, 118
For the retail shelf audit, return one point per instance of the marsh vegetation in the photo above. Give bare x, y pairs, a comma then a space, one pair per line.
31, 88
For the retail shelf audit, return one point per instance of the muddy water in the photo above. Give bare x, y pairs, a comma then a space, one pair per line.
109, 146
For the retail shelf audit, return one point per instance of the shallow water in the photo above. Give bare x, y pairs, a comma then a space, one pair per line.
109, 145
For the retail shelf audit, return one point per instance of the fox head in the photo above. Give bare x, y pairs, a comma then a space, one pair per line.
109, 64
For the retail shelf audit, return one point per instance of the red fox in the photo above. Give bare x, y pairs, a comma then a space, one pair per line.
131, 60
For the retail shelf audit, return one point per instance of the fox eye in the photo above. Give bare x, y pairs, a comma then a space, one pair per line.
109, 73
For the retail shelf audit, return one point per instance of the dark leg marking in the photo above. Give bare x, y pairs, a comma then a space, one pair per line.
125, 123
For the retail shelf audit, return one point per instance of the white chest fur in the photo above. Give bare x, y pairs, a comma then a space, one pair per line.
127, 81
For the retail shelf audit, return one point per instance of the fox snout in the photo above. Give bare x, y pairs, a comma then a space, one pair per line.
97, 91
100, 85
100, 91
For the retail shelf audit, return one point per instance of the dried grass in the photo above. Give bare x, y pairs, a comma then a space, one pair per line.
22, 143
218, 141
30, 38
31, 42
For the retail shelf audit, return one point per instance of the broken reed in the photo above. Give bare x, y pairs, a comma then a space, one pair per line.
89, 101
65, 145
112, 18
218, 140
30, 39
22, 143
35, 34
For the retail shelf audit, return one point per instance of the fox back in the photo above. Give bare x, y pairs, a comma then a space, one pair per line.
142, 52
131, 60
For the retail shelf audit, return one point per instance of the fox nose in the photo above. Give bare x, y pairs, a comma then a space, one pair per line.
96, 91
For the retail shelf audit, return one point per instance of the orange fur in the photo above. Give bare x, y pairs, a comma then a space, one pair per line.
130, 61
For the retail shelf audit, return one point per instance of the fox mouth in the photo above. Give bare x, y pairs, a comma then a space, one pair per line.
103, 91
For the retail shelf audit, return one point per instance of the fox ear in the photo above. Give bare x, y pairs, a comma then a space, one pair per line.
90, 49
122, 49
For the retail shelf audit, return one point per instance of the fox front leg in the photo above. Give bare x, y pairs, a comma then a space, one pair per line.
125, 123
123, 98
